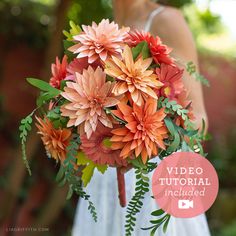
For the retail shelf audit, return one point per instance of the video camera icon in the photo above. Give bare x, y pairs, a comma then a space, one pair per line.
185, 204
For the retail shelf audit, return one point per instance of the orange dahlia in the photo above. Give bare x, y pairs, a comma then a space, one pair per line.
98, 149
54, 140
144, 131
171, 77
99, 41
59, 72
133, 77
88, 96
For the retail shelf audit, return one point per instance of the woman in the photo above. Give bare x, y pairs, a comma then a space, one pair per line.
170, 26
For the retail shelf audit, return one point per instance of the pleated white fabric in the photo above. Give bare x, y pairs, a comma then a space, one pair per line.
111, 217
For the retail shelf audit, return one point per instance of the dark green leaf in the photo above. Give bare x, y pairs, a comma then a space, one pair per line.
166, 224
158, 212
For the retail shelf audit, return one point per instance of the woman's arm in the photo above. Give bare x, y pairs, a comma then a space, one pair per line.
172, 28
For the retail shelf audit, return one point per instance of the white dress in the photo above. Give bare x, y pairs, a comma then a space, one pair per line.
103, 190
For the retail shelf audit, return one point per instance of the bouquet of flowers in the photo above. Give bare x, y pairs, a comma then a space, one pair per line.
116, 100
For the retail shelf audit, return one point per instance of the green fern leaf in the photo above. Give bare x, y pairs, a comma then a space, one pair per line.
25, 128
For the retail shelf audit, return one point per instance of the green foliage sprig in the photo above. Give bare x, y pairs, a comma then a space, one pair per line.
191, 69
172, 106
25, 127
68, 174
74, 30
135, 204
26, 123
54, 115
163, 219
48, 92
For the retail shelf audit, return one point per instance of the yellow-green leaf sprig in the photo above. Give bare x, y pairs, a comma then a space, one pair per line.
75, 30
90, 166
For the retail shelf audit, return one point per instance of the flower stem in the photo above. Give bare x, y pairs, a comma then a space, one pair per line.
121, 187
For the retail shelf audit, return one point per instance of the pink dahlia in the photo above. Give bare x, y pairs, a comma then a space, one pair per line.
98, 149
78, 65
88, 96
59, 72
99, 41
171, 77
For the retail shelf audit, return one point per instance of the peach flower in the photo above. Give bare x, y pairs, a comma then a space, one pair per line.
99, 41
133, 77
88, 96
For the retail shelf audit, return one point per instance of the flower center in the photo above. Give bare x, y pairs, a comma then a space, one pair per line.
98, 45
141, 126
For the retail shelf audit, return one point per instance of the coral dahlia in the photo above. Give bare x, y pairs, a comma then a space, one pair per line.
135, 37
144, 131
159, 51
98, 149
54, 140
59, 72
171, 77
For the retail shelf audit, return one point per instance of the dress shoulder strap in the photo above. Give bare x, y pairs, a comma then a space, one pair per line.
151, 17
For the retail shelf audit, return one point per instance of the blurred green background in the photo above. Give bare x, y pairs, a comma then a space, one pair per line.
31, 38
